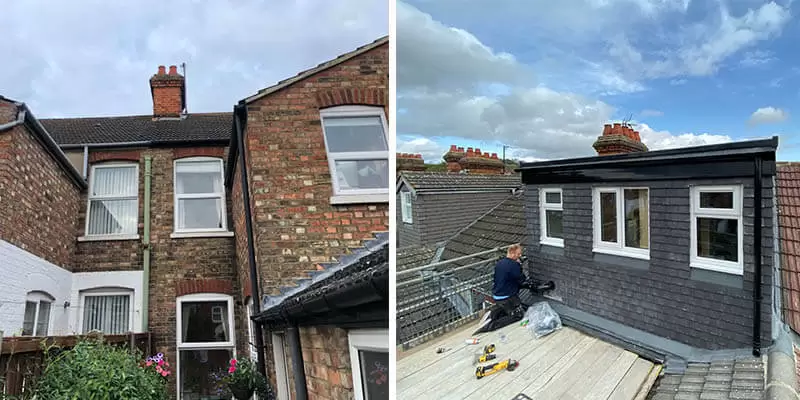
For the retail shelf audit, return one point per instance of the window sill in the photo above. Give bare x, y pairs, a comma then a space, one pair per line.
622, 253
359, 199
717, 267
552, 242
107, 238
183, 235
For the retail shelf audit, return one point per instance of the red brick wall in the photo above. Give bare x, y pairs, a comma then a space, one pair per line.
296, 226
45, 200
326, 356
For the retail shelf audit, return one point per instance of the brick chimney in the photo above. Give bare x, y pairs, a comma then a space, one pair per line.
452, 157
476, 162
168, 90
410, 162
618, 139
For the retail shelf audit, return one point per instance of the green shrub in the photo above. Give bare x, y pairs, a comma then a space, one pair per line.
93, 370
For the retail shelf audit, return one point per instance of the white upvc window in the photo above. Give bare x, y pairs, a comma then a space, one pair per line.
356, 140
369, 358
622, 221
551, 216
205, 341
716, 232
109, 311
199, 195
113, 209
281, 366
405, 210
36, 321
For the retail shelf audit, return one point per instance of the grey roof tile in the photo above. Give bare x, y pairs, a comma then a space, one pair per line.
446, 181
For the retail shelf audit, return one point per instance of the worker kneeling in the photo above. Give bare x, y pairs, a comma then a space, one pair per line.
508, 280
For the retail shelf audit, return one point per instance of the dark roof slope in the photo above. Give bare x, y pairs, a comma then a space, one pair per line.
209, 127
455, 182
788, 183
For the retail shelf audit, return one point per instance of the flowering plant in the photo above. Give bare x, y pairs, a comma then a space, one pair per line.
241, 380
159, 364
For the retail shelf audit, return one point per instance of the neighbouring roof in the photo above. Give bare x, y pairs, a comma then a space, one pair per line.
421, 182
742, 378
207, 127
319, 68
414, 256
788, 194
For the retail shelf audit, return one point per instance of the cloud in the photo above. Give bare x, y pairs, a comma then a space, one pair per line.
531, 116
660, 140
677, 82
767, 115
651, 113
66, 64
756, 58
431, 151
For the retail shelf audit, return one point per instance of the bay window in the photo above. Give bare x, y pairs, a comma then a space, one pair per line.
622, 221
716, 228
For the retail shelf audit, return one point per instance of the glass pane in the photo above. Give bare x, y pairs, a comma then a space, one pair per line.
197, 177
117, 181
205, 321
108, 217
718, 238
107, 314
363, 174
197, 367
552, 198
555, 228
716, 200
30, 315
637, 210
608, 217
200, 213
355, 134
44, 319
374, 374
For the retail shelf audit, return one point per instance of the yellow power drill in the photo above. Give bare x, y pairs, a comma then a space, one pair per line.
496, 367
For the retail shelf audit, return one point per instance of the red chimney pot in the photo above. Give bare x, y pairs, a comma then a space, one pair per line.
162, 70
173, 70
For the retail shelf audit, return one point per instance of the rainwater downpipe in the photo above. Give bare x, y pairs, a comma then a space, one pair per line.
148, 160
757, 221
248, 220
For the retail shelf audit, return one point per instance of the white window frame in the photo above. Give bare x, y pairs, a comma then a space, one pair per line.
619, 248
251, 332
355, 111
365, 339
712, 264
229, 345
90, 197
177, 197
543, 208
281, 367
405, 207
38, 297
102, 292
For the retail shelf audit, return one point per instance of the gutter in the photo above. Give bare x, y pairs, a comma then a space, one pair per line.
757, 221
239, 128
148, 160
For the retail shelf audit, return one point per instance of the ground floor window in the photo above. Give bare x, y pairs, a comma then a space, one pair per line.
281, 369
369, 358
107, 311
37, 314
205, 343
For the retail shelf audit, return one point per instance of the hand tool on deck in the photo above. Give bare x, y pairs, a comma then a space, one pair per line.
486, 355
487, 370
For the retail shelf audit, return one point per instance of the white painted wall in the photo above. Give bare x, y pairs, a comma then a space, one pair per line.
131, 280
22, 272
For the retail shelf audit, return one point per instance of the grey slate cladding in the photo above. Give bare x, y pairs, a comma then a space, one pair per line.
730, 379
427, 181
661, 299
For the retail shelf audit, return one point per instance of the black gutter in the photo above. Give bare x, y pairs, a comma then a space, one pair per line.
757, 182
248, 220
151, 143
300, 388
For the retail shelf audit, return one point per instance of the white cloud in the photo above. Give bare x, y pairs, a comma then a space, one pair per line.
68, 64
651, 113
660, 140
768, 115
431, 151
677, 82
757, 58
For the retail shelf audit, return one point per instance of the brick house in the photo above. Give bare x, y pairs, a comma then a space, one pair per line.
148, 225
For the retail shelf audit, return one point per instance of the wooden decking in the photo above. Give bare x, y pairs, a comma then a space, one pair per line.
566, 365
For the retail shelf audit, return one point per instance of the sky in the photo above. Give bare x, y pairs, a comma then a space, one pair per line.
544, 76
95, 57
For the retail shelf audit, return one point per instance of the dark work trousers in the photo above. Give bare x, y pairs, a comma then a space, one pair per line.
512, 307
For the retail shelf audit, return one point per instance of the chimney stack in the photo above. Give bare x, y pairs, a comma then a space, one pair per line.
409, 162
618, 139
168, 92
452, 158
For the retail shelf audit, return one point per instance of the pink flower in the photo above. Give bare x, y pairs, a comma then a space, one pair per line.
233, 361
159, 369
164, 373
160, 362
231, 369
149, 363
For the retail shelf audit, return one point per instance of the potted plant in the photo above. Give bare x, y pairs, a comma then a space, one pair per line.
242, 380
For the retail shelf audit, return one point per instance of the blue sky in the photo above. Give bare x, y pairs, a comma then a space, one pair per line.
544, 76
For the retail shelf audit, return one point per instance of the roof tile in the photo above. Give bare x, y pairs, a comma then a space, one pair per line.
788, 182
438, 181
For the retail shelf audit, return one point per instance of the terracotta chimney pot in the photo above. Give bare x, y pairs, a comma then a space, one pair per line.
173, 70
162, 70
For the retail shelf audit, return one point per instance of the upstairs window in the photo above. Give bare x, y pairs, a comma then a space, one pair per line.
622, 222
552, 212
113, 200
358, 150
37, 314
199, 195
405, 210
716, 233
